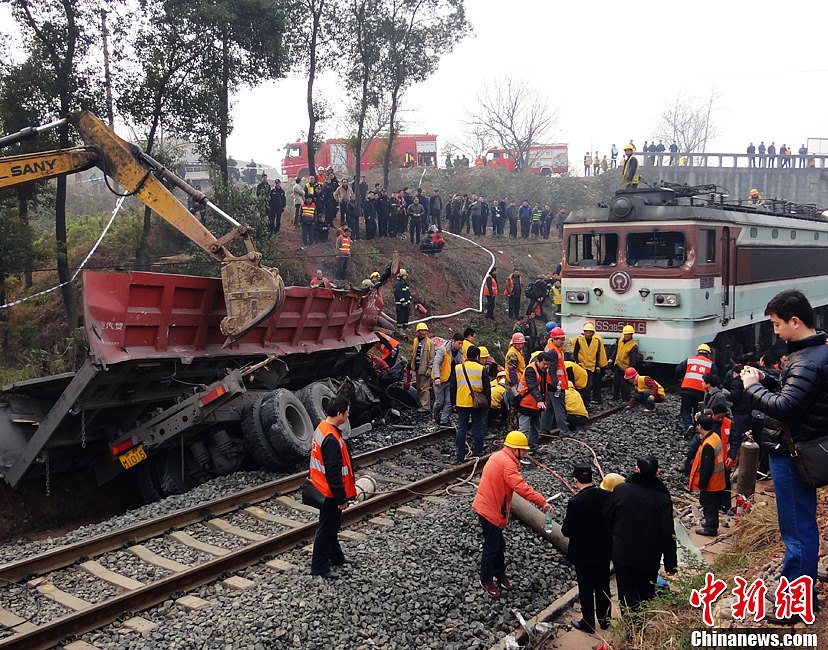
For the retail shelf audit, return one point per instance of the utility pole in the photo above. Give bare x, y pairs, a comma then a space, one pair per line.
110, 111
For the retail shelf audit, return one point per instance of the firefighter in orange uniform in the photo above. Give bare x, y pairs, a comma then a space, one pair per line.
690, 372
332, 474
500, 480
707, 475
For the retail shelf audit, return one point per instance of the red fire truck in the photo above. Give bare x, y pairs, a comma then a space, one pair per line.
410, 150
544, 159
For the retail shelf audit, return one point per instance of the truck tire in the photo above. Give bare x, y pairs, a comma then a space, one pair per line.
257, 441
287, 424
315, 398
170, 475
146, 479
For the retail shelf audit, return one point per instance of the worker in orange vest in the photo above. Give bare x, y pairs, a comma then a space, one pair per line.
490, 292
514, 287
500, 480
320, 281
332, 474
730, 448
707, 475
690, 372
343, 252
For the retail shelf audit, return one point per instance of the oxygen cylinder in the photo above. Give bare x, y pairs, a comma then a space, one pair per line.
748, 465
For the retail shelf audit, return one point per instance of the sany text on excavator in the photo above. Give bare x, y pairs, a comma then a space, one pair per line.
251, 292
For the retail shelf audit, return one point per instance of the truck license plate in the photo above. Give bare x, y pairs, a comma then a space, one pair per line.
133, 457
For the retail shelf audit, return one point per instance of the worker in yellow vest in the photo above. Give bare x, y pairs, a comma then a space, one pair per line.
442, 373
626, 355
576, 413
707, 475
469, 335
589, 352
645, 390
499, 410
578, 377
421, 358
629, 174
514, 361
343, 252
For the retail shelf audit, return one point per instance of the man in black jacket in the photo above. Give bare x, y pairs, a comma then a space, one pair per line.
640, 515
276, 205
801, 405
590, 548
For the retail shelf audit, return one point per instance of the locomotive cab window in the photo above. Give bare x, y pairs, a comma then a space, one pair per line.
706, 253
655, 248
592, 249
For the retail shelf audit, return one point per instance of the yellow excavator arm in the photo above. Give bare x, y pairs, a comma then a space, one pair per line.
251, 291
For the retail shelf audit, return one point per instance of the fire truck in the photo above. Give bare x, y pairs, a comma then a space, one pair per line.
410, 150
544, 159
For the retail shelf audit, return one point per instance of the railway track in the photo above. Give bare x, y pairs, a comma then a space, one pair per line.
279, 534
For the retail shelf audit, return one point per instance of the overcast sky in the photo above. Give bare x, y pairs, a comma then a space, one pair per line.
609, 68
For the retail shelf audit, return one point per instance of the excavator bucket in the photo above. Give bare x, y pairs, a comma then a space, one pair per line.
251, 293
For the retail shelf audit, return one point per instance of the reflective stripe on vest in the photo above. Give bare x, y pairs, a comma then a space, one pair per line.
527, 400
316, 473
717, 480
308, 212
697, 367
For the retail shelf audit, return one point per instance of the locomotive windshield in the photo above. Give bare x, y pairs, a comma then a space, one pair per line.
592, 249
660, 249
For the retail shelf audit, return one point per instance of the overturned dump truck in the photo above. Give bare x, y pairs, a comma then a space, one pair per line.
159, 397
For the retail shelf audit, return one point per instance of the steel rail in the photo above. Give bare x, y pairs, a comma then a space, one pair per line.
46, 636
96, 616
66, 555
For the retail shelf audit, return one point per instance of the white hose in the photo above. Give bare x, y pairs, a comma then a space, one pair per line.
482, 284
80, 268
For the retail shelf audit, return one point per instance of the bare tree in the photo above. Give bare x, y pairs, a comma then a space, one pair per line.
473, 141
312, 49
515, 115
688, 122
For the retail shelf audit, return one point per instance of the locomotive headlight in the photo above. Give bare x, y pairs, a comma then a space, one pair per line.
577, 297
667, 300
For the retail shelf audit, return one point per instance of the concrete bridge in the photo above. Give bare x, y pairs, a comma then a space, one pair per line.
790, 178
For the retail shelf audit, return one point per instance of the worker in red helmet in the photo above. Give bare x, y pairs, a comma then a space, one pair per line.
645, 390
515, 361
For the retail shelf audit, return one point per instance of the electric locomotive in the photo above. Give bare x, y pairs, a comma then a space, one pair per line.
683, 267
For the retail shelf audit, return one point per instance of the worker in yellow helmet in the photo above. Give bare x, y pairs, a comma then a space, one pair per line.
625, 356
422, 355
629, 175
755, 198
589, 352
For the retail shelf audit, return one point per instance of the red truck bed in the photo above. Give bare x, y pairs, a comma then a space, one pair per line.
155, 315
153, 339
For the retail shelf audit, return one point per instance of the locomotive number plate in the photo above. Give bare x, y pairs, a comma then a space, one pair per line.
615, 325
133, 457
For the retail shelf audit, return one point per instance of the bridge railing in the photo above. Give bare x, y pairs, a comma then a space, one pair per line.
730, 160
